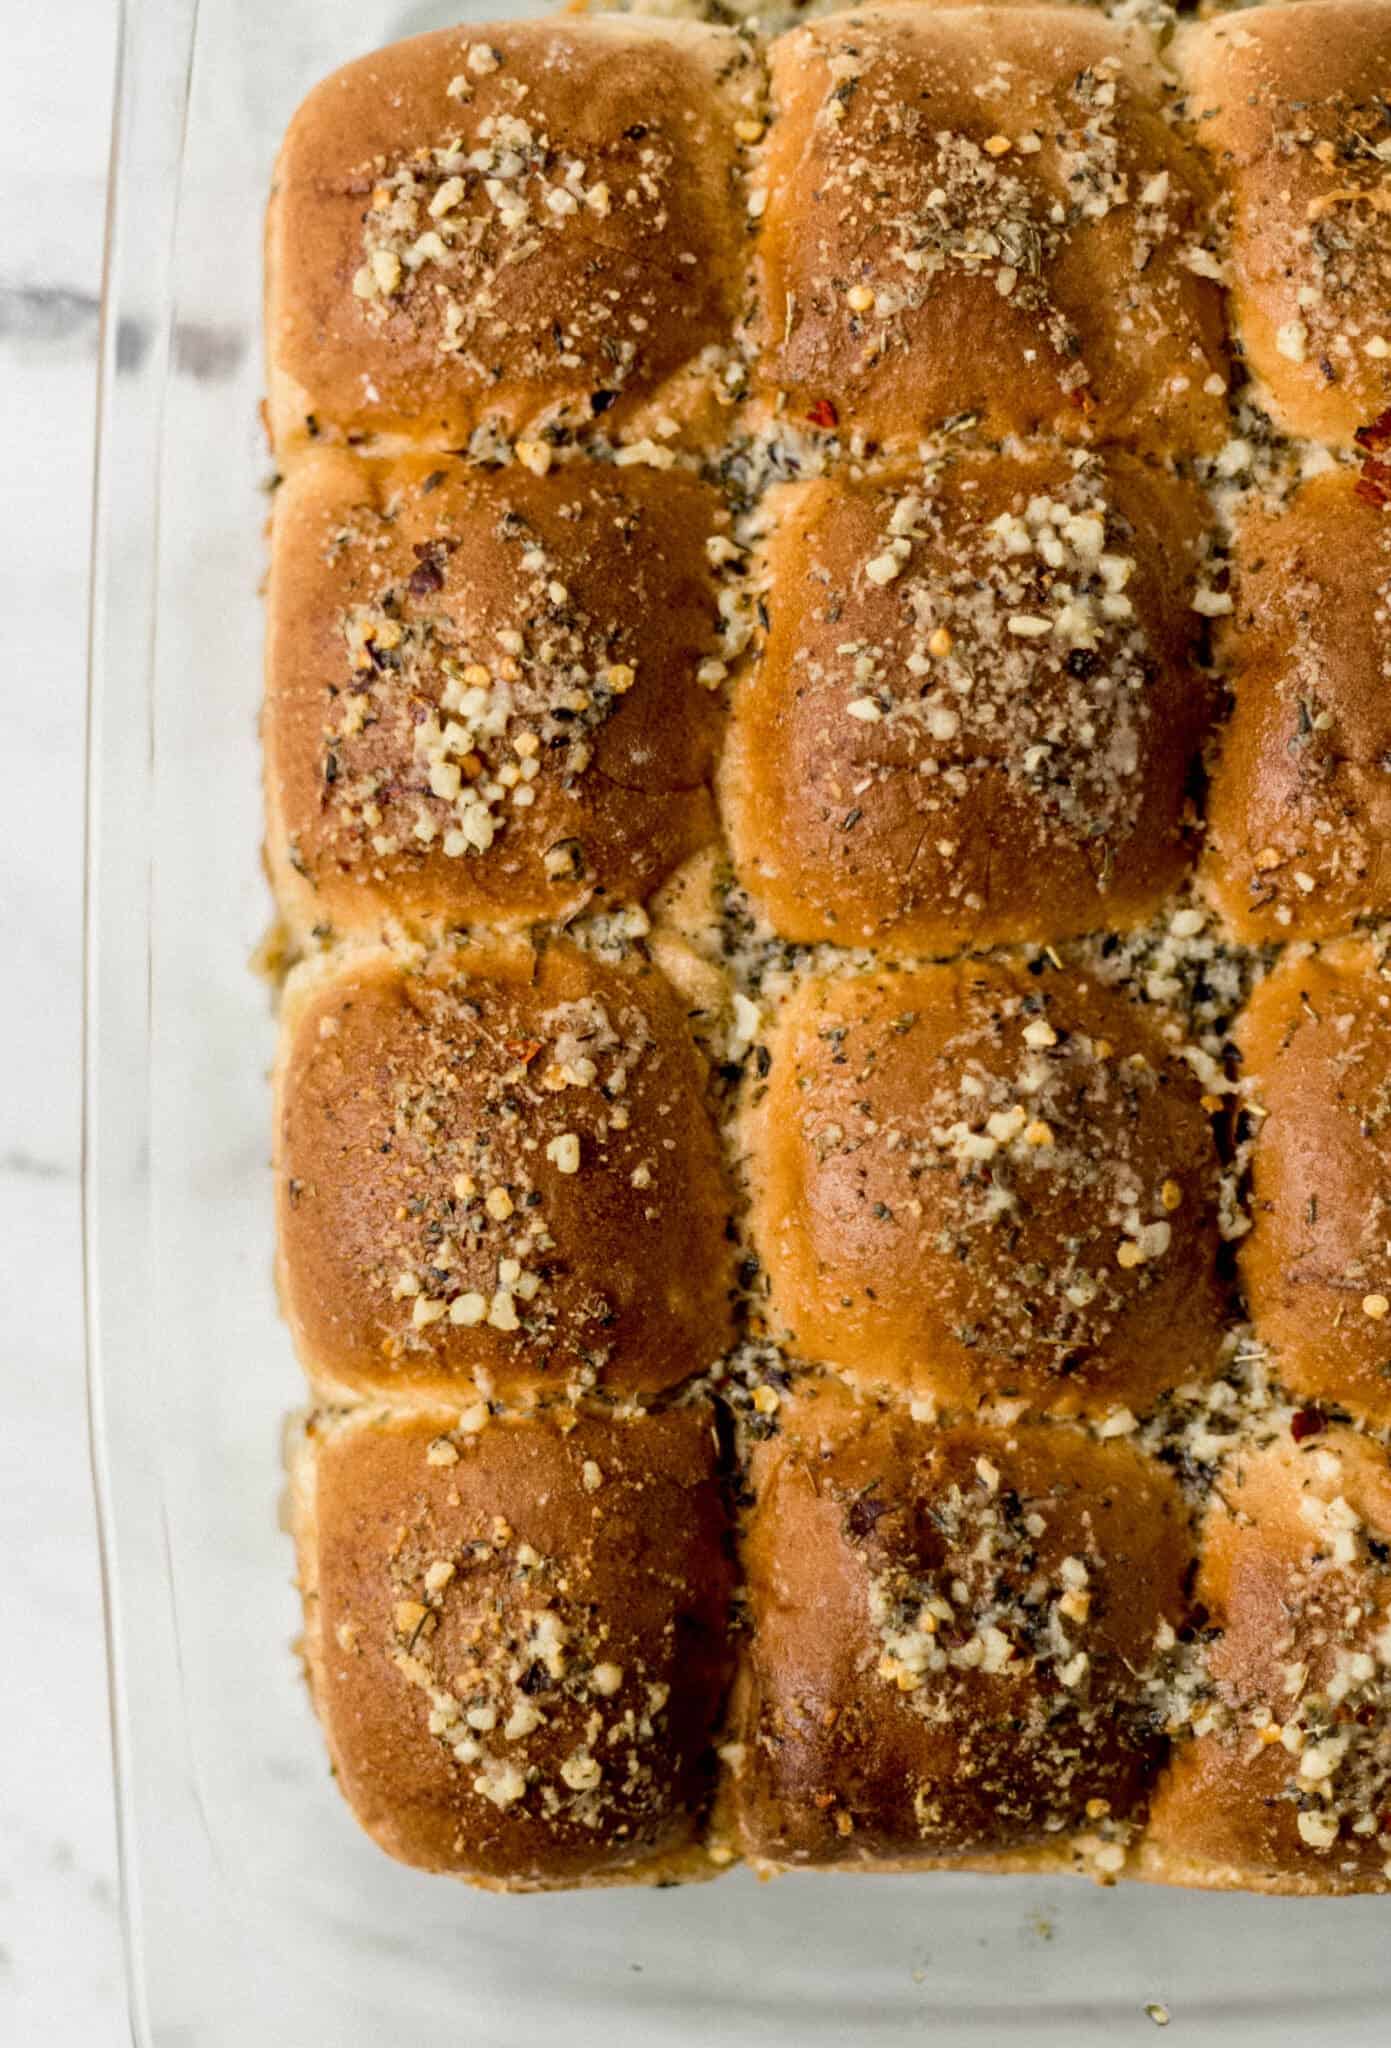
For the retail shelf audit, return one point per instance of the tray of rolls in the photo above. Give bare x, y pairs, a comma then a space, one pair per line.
826, 784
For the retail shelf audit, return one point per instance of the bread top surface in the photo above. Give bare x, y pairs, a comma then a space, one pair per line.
961, 1638
534, 223
975, 707
1291, 103
1316, 1050
971, 1182
484, 697
1290, 1779
1299, 803
496, 1170
518, 1638
955, 205
974, 1187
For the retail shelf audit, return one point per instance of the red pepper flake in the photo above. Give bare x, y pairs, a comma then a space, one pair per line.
824, 414
523, 1049
1375, 439
1374, 484
426, 578
1306, 1422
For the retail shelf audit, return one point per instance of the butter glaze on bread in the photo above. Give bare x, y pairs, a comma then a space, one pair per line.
826, 785
1286, 1787
579, 181
1316, 1050
483, 699
1291, 105
517, 1639
972, 1182
495, 1171
1299, 805
976, 707
951, 228
961, 1642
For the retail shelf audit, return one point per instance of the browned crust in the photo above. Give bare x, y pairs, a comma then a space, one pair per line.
1084, 343
852, 1753
1316, 1047
1013, 788
1228, 1812
1299, 804
396, 1079
911, 1247
495, 1521
587, 597
614, 1531
637, 291
1278, 96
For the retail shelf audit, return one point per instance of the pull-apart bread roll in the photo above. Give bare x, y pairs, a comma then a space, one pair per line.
517, 1639
1299, 805
1287, 1784
534, 225
496, 1170
962, 1644
973, 1183
984, 211
975, 707
1293, 106
837, 1223
1316, 1046
489, 692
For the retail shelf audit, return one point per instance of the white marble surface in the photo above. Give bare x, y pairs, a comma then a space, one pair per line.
61, 1979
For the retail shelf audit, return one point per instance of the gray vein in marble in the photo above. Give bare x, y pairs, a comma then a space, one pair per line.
24, 1166
47, 316
47, 313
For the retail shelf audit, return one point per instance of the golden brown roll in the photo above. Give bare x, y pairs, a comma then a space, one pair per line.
983, 211
1287, 1785
486, 698
1299, 804
517, 1639
975, 708
960, 1643
880, 370
530, 225
495, 1170
1316, 1045
973, 1182
1290, 102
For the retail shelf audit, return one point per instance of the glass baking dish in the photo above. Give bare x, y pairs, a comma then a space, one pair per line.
256, 1912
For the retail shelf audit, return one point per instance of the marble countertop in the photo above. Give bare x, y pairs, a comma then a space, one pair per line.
61, 1980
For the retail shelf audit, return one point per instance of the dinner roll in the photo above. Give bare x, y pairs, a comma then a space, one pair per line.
517, 1639
1316, 1046
495, 1170
1287, 1788
984, 211
960, 1643
489, 693
975, 708
1299, 805
1291, 104
529, 226
975, 1182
